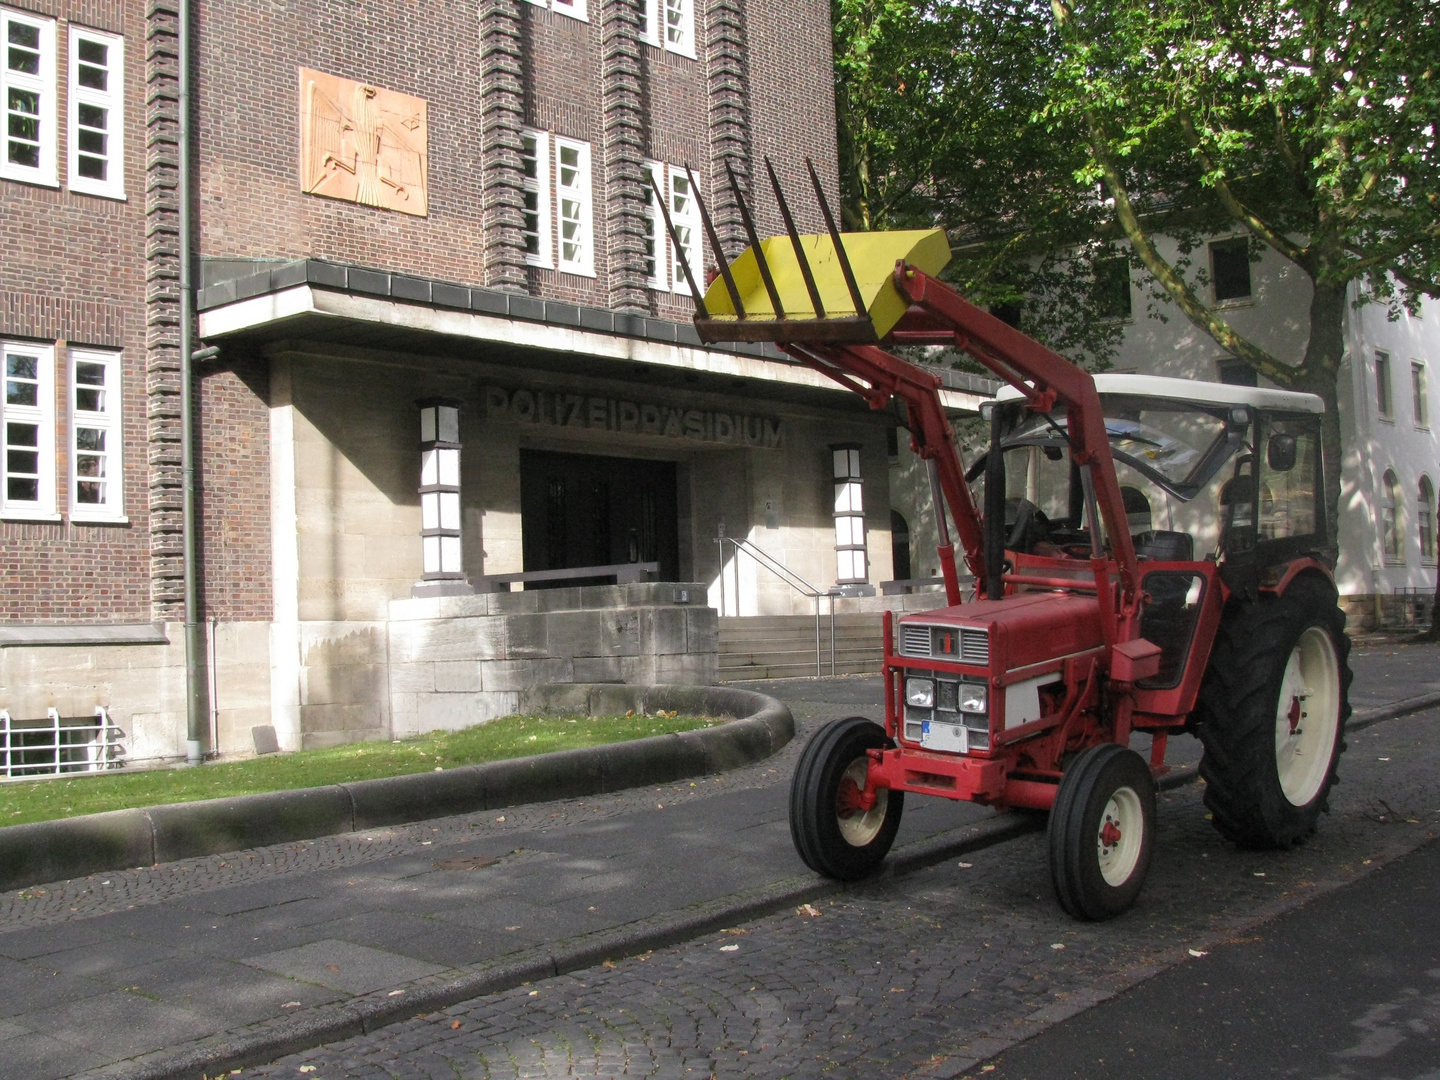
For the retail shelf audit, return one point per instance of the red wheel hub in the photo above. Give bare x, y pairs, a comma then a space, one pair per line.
852, 800
1110, 835
1295, 714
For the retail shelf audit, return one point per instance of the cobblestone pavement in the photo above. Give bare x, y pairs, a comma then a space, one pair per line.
923, 975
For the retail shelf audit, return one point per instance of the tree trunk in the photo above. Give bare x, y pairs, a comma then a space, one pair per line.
1317, 375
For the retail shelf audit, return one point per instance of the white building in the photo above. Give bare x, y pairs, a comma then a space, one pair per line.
1391, 453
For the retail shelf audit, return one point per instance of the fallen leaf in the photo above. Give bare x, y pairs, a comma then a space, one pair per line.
734, 930
808, 909
966, 865
729, 948
897, 990
307, 1068
1259, 873
290, 1005
499, 819
1197, 953
1058, 945
474, 862
534, 993
395, 993
332, 967
455, 1025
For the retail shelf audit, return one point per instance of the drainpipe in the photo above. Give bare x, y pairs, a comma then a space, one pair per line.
197, 689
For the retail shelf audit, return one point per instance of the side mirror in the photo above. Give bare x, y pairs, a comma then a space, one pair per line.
987, 409
1280, 453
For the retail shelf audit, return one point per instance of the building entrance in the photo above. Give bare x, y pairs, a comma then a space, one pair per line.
582, 510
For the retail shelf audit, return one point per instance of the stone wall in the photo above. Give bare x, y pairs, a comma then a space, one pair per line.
459, 660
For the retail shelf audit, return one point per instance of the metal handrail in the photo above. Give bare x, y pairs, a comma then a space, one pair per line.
785, 574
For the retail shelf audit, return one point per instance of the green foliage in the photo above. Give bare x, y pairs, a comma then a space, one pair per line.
509, 737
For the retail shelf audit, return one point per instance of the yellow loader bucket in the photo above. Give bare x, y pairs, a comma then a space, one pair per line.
872, 257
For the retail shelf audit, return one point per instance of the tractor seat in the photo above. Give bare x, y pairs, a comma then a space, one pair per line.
1162, 545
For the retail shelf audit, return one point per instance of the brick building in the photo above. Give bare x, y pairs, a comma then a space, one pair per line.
443, 337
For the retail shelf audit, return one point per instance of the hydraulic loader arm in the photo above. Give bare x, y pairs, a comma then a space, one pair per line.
832, 301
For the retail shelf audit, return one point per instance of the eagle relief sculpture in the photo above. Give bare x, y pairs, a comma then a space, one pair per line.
363, 144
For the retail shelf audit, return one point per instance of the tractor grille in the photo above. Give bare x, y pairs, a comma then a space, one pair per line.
965, 644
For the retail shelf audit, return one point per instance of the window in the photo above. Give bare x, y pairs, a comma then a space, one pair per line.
574, 8
1384, 403
97, 113
680, 27
1391, 508
28, 82
1427, 520
29, 431
657, 270
572, 193
535, 165
440, 538
96, 478
1230, 269
1419, 394
850, 558
650, 23
685, 214
1112, 288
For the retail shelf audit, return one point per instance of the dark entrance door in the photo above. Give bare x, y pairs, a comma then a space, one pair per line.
581, 510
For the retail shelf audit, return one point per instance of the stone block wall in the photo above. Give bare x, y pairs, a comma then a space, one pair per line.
461, 660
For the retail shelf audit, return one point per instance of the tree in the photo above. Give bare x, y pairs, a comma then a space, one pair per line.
1307, 125
938, 106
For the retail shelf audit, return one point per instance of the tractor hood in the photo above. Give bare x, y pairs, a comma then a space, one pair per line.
1021, 630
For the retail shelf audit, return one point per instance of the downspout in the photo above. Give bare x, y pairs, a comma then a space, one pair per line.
197, 689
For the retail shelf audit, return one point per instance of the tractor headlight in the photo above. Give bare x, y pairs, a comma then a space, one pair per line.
974, 698
920, 693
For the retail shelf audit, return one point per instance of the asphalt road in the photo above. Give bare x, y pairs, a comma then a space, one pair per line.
1348, 986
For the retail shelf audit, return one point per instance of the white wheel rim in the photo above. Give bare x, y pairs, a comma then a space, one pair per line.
1121, 836
1307, 716
859, 827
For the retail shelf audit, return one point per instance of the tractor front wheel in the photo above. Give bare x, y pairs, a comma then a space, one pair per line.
1101, 832
841, 824
1272, 715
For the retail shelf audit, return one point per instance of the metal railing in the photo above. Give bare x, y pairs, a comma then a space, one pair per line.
785, 574
59, 745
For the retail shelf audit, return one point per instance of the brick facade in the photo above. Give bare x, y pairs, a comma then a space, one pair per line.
72, 272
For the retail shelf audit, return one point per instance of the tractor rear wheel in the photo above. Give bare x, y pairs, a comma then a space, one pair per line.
834, 830
1101, 832
1272, 714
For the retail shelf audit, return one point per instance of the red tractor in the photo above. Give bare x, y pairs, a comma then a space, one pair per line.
1089, 621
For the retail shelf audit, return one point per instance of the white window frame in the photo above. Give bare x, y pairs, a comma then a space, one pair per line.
1420, 394
852, 554
679, 37
107, 420
42, 415
1384, 383
694, 249
539, 186
650, 29
43, 84
575, 9
581, 193
660, 279
111, 99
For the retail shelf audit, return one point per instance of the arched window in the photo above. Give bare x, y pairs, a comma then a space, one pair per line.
1427, 520
1391, 507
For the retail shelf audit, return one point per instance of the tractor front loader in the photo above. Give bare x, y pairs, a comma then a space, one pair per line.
1089, 622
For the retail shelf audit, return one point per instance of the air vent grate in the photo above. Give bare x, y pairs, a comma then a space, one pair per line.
975, 647
914, 640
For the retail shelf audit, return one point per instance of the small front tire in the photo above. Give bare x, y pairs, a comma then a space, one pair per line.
833, 832
1101, 832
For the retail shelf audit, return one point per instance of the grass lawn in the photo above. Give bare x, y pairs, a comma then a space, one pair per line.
509, 737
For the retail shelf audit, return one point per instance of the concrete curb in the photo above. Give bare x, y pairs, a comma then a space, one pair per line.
93, 843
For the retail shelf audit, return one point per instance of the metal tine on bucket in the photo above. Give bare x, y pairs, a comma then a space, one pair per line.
795, 242
730, 286
835, 239
754, 238
695, 292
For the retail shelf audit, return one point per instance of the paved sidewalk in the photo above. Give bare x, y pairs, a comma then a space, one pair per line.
130, 973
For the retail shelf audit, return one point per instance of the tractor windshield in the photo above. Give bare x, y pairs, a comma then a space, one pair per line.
1168, 455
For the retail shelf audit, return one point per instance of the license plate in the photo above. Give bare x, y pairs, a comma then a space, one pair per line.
951, 738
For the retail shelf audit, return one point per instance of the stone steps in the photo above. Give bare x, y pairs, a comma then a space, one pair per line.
783, 646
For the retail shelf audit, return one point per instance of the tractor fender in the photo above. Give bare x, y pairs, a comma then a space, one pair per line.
1277, 579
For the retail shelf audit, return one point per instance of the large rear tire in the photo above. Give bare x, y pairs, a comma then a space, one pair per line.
831, 832
1101, 832
1272, 714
